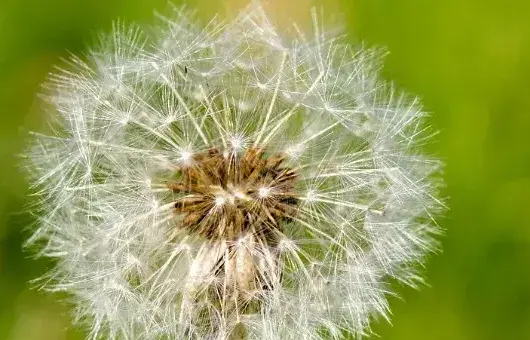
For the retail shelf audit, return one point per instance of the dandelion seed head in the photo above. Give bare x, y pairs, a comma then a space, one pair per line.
205, 180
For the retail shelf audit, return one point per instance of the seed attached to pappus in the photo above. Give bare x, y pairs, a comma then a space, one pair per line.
227, 196
230, 197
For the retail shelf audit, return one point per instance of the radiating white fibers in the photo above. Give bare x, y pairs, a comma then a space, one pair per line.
144, 106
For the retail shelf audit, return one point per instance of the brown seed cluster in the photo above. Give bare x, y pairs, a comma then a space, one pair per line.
223, 196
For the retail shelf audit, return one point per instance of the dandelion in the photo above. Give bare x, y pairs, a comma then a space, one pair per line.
230, 182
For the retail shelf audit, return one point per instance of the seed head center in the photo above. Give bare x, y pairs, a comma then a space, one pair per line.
222, 196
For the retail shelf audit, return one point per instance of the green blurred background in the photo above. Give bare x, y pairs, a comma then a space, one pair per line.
470, 62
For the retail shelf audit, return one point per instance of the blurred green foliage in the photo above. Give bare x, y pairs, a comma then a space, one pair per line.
470, 62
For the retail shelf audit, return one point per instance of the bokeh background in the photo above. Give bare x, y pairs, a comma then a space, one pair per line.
468, 59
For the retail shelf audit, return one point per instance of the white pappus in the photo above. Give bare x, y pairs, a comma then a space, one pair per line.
230, 182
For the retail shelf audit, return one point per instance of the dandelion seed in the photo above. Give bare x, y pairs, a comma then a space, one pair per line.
227, 182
